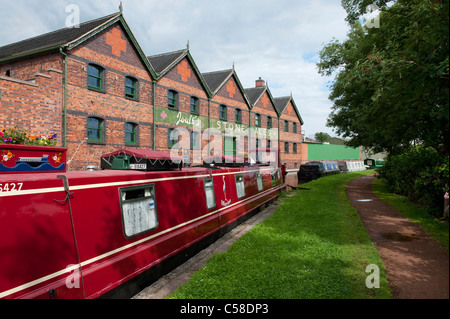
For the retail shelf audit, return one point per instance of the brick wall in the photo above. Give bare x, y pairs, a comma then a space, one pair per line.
112, 51
35, 105
182, 79
25, 69
292, 160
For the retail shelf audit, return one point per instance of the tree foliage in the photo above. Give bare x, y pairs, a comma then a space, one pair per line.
322, 137
391, 83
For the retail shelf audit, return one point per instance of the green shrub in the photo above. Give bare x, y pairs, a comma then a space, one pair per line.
421, 174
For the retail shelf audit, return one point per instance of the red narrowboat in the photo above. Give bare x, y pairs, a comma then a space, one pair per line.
105, 233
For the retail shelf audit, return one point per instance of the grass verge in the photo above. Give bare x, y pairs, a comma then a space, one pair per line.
438, 230
313, 247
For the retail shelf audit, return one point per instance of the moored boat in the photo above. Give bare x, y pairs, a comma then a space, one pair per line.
89, 234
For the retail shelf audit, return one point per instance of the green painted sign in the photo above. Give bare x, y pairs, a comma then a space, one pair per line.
174, 117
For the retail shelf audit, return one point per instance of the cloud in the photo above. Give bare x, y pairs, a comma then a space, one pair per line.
276, 40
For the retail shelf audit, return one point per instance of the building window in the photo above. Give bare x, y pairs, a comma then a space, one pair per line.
95, 77
130, 133
223, 113
194, 105
139, 213
295, 148
130, 88
172, 100
95, 129
294, 127
195, 140
269, 143
172, 137
209, 192
257, 120
286, 147
230, 146
238, 114
269, 122
240, 186
286, 126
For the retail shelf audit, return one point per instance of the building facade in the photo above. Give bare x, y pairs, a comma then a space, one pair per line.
96, 89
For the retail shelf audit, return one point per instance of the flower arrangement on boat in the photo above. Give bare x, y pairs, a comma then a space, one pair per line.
20, 136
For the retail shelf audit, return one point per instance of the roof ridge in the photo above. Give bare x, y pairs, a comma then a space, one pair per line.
166, 53
220, 71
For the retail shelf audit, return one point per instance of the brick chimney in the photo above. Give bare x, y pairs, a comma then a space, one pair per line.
260, 83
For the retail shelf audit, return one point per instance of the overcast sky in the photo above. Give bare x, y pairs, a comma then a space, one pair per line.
277, 40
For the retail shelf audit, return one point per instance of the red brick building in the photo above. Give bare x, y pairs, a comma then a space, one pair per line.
97, 90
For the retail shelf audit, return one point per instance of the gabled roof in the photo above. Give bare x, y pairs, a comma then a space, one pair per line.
256, 93
163, 63
282, 102
216, 80
51, 40
166, 61
67, 39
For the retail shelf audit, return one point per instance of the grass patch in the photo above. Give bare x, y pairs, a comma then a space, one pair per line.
438, 230
313, 247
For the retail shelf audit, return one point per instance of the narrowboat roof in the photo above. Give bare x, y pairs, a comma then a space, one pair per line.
146, 154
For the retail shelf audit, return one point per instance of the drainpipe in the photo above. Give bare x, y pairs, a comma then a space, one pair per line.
154, 113
279, 144
65, 98
209, 127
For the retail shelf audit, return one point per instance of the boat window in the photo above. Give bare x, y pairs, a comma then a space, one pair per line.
259, 181
240, 187
139, 212
274, 177
209, 191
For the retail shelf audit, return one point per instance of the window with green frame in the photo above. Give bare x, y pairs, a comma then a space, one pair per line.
95, 77
172, 99
130, 88
286, 126
229, 145
294, 127
258, 120
95, 129
194, 105
172, 137
195, 140
286, 147
130, 133
223, 113
238, 115
295, 148
269, 122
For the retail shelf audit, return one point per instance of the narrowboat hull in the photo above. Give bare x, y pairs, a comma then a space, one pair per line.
316, 169
81, 235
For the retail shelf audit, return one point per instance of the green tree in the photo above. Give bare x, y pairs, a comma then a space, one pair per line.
322, 137
391, 83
